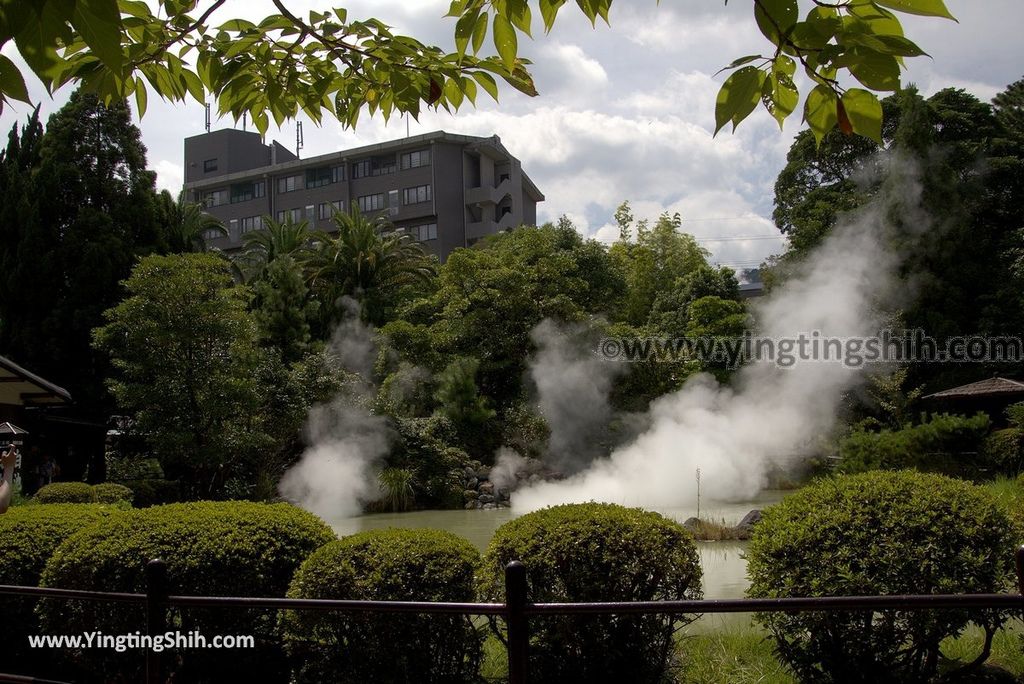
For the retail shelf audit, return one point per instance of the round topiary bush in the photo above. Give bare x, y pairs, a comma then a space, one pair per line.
878, 534
391, 565
110, 492
228, 548
66, 492
597, 552
28, 537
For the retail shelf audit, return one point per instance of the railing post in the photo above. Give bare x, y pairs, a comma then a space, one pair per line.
517, 622
1020, 569
156, 613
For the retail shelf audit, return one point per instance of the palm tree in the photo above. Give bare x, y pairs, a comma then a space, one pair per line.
369, 259
188, 224
275, 239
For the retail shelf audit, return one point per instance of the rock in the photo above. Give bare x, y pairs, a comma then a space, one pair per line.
472, 483
483, 473
489, 507
486, 498
470, 505
486, 487
469, 472
470, 494
745, 528
504, 504
504, 494
692, 524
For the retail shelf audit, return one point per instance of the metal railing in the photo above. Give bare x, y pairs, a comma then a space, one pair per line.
516, 610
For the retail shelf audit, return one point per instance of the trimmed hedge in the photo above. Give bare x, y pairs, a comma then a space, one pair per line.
387, 565
1003, 451
935, 445
110, 492
229, 548
146, 493
66, 492
872, 534
28, 537
597, 552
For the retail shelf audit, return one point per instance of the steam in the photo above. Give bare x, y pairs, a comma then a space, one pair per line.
572, 388
734, 435
506, 464
337, 473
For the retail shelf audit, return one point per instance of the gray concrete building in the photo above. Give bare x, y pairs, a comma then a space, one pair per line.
447, 190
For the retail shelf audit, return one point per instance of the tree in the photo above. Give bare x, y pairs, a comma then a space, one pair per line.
1009, 107
284, 63
183, 348
459, 401
188, 224
81, 209
370, 260
284, 308
275, 239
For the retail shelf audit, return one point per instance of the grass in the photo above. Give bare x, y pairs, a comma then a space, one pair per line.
1007, 490
714, 530
734, 655
1007, 647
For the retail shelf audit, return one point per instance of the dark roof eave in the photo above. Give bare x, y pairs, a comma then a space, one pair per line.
35, 379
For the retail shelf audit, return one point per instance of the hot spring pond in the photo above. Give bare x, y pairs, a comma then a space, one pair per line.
723, 563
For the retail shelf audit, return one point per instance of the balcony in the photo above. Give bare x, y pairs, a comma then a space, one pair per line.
479, 229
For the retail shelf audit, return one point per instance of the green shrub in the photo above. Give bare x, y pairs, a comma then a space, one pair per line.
228, 548
877, 534
394, 565
597, 552
110, 492
1003, 451
28, 537
934, 445
66, 492
146, 493
121, 468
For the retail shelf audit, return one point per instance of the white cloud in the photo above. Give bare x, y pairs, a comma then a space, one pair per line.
169, 176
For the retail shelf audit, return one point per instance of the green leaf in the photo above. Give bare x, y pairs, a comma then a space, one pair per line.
548, 12
738, 97
519, 13
927, 8
452, 93
479, 33
739, 62
821, 111
99, 24
487, 82
464, 28
12, 83
140, 96
865, 113
775, 18
875, 70
505, 41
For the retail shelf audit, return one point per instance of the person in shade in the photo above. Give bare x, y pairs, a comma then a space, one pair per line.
7, 461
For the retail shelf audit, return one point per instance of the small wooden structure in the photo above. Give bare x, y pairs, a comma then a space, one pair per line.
991, 396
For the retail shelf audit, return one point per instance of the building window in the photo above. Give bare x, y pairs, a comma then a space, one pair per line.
319, 177
310, 212
212, 234
374, 166
215, 198
412, 160
368, 203
243, 192
338, 173
290, 183
327, 209
421, 193
393, 202
290, 215
251, 223
209, 165
427, 231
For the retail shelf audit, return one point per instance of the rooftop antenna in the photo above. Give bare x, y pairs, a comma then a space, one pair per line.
406, 125
207, 117
298, 137
244, 117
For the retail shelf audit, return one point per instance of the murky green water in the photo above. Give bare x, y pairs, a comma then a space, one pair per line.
723, 563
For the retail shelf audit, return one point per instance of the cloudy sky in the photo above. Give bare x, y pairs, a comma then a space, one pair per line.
624, 112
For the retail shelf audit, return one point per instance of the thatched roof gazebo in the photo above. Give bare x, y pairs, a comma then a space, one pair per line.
990, 396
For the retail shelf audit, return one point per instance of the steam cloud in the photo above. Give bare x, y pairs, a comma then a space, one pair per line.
735, 434
572, 388
337, 473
